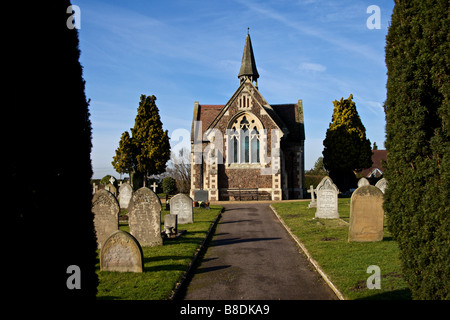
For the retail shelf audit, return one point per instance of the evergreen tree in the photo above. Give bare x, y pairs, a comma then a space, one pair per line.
148, 150
417, 108
48, 164
123, 161
346, 148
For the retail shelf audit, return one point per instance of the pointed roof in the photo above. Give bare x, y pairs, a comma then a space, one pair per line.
248, 65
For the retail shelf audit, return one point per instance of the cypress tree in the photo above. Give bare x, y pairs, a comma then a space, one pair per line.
148, 150
417, 139
346, 148
123, 161
50, 222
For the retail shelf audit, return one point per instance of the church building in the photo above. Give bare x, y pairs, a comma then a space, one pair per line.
248, 148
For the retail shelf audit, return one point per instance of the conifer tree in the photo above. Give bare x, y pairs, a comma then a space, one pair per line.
148, 150
417, 200
123, 161
51, 251
346, 148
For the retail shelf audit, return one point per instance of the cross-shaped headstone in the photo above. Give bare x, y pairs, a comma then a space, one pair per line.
154, 186
313, 203
112, 179
311, 190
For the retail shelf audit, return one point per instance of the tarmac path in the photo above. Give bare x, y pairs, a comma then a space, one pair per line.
252, 257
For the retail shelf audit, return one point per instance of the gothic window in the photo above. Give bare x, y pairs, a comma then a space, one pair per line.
244, 140
234, 135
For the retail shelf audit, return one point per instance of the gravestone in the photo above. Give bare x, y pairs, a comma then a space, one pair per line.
181, 205
201, 195
125, 193
382, 185
170, 224
144, 217
121, 252
366, 215
363, 182
106, 215
327, 199
111, 188
313, 203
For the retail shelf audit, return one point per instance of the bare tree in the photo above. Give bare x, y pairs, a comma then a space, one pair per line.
179, 168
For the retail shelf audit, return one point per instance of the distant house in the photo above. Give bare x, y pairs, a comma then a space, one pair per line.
377, 169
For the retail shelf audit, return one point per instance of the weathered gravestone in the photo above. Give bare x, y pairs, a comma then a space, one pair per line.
363, 182
106, 215
125, 193
382, 185
144, 217
366, 215
327, 199
181, 205
121, 252
170, 224
201, 195
111, 188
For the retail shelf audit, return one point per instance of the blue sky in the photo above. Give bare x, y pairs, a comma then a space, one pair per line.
185, 51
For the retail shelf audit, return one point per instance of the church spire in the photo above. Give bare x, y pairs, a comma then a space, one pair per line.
248, 65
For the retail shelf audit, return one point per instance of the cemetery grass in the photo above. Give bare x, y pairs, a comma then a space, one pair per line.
345, 262
164, 266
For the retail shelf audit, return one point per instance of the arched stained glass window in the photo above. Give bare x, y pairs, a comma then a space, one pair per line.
244, 138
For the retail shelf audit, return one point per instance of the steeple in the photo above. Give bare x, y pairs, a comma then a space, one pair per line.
248, 65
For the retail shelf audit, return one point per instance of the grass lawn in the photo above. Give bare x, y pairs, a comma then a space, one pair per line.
345, 262
164, 266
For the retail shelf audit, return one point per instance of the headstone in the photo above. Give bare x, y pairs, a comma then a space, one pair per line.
94, 188
154, 186
327, 199
106, 215
144, 217
201, 195
382, 185
366, 215
363, 182
313, 203
121, 252
111, 188
170, 224
125, 193
181, 205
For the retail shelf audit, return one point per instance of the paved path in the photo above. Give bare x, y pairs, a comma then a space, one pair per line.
251, 256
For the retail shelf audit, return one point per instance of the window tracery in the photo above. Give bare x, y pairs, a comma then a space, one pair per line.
245, 140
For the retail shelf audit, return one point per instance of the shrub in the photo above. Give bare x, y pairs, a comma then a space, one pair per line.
169, 185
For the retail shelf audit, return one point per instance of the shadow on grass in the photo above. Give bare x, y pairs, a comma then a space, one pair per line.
166, 267
404, 294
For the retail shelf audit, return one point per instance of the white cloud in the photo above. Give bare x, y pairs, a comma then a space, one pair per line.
334, 39
315, 67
